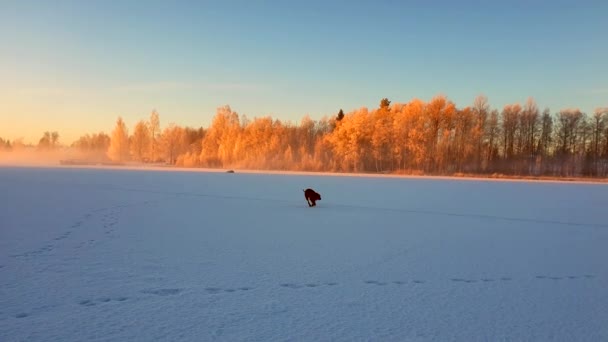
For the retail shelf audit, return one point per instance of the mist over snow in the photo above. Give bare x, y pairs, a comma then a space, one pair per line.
133, 255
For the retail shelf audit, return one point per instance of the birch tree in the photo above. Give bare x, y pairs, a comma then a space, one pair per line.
140, 142
118, 150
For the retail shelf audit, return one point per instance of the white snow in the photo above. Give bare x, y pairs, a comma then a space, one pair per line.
127, 255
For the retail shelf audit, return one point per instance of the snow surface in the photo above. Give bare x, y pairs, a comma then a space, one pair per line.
125, 255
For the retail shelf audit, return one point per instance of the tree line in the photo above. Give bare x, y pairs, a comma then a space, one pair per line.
434, 137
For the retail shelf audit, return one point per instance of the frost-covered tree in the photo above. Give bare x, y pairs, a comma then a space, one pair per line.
510, 127
140, 142
220, 140
174, 142
5, 144
49, 140
154, 127
382, 134
119, 142
438, 117
481, 110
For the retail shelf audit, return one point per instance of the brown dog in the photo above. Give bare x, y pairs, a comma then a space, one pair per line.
311, 197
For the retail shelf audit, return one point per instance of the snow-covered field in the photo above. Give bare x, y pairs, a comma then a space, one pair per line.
111, 255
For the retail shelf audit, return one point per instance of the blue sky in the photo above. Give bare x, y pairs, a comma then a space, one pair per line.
75, 66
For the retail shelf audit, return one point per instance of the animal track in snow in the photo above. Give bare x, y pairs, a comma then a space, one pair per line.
109, 219
87, 243
36, 252
570, 277
395, 282
63, 236
537, 277
50, 246
86, 302
482, 280
308, 285
163, 292
217, 290
101, 300
375, 282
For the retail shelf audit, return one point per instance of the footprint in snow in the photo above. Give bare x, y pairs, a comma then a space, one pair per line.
571, 277
216, 290
397, 282
89, 302
309, 285
375, 282
213, 290
86, 302
63, 236
162, 292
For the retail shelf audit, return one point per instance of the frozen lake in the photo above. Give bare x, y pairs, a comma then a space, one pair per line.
117, 255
